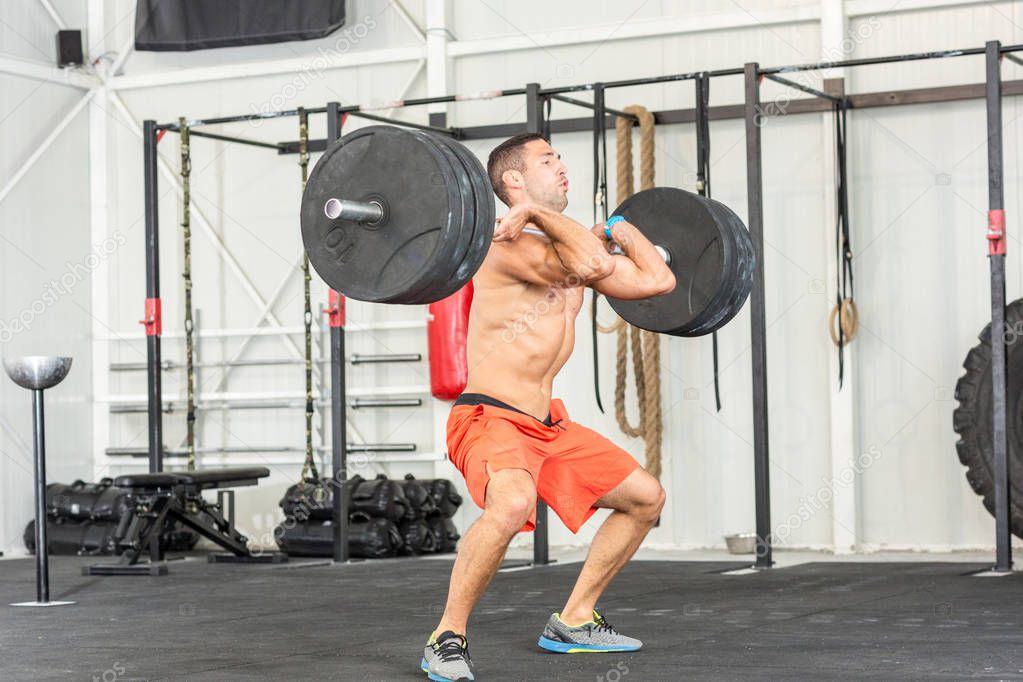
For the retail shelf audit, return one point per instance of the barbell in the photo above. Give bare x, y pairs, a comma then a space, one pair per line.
392, 215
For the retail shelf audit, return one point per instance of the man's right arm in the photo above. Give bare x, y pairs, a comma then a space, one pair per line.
538, 260
580, 250
567, 254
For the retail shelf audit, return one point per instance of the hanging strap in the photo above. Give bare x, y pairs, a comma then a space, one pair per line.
186, 275
703, 188
845, 306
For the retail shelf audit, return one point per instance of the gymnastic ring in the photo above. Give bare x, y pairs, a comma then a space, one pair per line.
850, 321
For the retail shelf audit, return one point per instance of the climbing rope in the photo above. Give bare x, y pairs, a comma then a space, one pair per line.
645, 346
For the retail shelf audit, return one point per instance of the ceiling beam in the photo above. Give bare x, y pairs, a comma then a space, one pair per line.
44, 72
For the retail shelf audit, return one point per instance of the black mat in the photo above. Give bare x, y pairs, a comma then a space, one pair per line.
369, 621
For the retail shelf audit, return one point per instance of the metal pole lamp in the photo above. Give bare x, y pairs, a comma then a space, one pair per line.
36, 373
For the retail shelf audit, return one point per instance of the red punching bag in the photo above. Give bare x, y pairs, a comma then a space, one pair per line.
446, 327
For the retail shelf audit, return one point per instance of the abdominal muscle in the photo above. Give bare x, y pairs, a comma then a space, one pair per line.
520, 335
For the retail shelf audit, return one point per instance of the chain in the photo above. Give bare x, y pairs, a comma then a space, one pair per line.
309, 471
186, 274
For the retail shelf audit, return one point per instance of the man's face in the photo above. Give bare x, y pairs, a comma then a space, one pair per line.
545, 177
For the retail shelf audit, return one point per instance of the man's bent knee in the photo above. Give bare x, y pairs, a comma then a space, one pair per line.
510, 498
647, 498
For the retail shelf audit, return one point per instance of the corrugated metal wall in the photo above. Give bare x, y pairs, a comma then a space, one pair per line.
918, 199
45, 264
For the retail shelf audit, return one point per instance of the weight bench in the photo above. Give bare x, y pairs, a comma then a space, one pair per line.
159, 499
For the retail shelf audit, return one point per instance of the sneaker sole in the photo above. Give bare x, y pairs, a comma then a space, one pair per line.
575, 648
437, 678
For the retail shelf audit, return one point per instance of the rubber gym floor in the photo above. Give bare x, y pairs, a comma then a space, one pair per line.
309, 620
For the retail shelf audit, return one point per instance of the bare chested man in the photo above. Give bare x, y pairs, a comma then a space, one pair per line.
508, 438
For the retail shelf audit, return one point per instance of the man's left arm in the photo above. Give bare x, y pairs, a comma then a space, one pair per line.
640, 271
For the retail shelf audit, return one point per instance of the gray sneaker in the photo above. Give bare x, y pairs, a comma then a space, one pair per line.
593, 636
446, 659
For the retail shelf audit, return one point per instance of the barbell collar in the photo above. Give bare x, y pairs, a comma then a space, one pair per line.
369, 212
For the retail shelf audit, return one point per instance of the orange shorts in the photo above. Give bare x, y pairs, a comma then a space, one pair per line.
572, 466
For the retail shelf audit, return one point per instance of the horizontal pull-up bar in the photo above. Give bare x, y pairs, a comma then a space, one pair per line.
769, 72
867, 61
868, 100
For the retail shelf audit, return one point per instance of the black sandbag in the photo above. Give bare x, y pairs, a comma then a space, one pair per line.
373, 538
444, 495
447, 534
368, 538
417, 537
80, 500
436, 534
180, 538
419, 498
306, 538
308, 501
68, 537
380, 498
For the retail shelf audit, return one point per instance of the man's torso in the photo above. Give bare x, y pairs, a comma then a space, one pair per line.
520, 335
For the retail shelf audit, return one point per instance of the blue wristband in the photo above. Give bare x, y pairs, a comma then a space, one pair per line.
609, 222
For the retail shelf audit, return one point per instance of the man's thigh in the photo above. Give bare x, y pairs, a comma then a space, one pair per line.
638, 489
582, 469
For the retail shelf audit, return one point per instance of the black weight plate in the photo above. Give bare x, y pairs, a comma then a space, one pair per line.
419, 190
742, 281
443, 256
731, 225
432, 288
702, 258
486, 214
718, 304
446, 282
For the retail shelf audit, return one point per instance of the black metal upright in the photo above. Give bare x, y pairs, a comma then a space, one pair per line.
534, 124
42, 553
152, 321
758, 327
996, 253
339, 427
599, 213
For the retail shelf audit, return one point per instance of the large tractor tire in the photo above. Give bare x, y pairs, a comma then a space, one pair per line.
972, 418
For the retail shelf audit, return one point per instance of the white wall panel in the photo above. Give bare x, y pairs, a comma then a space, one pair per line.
918, 200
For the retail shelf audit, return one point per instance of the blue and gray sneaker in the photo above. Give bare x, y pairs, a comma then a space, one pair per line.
446, 658
593, 636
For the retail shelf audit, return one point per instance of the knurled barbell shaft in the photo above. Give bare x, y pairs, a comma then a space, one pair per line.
371, 212
358, 211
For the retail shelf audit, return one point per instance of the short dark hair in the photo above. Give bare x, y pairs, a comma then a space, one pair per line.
508, 156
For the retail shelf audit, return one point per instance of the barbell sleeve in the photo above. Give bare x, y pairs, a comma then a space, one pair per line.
616, 250
358, 211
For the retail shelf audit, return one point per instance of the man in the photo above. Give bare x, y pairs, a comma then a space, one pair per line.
505, 434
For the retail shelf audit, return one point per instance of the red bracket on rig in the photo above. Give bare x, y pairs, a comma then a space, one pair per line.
996, 232
153, 321
335, 309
